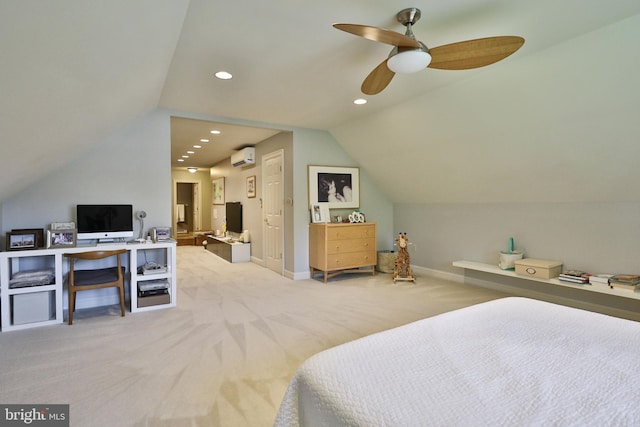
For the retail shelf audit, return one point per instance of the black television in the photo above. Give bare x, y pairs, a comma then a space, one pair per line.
234, 216
104, 222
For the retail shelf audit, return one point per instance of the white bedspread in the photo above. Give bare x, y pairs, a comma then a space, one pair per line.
509, 362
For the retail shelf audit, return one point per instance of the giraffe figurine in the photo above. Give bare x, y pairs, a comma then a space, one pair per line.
402, 270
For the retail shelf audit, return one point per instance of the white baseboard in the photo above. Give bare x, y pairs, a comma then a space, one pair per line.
438, 274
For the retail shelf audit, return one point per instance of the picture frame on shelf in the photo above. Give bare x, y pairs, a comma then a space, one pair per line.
337, 186
162, 233
320, 213
251, 186
62, 226
39, 232
217, 191
20, 241
61, 238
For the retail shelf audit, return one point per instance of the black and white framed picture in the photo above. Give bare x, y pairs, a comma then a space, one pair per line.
337, 186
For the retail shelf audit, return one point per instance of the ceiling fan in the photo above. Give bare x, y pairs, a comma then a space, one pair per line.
410, 55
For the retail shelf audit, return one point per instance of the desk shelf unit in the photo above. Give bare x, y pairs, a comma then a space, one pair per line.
15, 261
53, 258
493, 269
160, 253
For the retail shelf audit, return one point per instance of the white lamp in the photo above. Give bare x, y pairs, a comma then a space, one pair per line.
192, 170
141, 215
409, 61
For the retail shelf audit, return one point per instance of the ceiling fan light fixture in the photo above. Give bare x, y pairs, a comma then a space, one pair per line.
409, 61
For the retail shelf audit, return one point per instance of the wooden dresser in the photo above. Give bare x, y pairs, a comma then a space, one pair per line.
342, 248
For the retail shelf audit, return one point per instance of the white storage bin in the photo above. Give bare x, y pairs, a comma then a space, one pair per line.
33, 307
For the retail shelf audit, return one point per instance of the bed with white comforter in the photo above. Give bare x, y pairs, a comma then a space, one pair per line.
508, 362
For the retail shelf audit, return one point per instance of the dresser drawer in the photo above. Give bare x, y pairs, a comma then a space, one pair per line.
351, 260
352, 245
353, 232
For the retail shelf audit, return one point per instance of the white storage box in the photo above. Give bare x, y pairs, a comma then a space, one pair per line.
540, 268
33, 307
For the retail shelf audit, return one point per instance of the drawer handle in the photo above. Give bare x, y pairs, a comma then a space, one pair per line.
531, 270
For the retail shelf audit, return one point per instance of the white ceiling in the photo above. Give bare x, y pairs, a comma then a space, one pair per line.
74, 71
185, 133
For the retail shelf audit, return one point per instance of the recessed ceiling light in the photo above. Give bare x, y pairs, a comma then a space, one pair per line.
185, 157
197, 146
223, 75
191, 152
204, 140
181, 160
216, 132
360, 101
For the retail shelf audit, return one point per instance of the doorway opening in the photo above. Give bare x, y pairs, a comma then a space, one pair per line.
187, 208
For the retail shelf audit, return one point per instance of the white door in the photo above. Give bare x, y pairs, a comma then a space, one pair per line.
273, 208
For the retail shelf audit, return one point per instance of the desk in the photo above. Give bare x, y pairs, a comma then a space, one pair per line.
138, 254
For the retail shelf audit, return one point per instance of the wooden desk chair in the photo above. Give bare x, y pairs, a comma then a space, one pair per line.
84, 280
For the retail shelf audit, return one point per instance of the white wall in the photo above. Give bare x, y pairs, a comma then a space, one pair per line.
595, 237
313, 147
130, 167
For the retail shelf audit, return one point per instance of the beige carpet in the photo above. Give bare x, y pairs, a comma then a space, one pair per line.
223, 357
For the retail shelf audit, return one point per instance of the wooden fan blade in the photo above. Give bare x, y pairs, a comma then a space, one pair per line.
378, 79
378, 35
474, 53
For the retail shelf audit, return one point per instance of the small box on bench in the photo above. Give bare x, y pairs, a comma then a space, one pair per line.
540, 268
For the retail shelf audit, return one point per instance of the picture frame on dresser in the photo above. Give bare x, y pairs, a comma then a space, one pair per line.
19, 240
61, 238
320, 213
217, 191
337, 186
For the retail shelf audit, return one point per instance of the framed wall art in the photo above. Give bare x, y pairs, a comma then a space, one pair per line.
251, 186
217, 191
337, 186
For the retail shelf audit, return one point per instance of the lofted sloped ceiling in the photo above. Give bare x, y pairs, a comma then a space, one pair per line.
74, 72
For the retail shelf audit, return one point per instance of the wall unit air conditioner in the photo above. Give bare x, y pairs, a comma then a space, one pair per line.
246, 156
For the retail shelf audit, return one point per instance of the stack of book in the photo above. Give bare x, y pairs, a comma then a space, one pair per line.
600, 280
574, 276
624, 281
